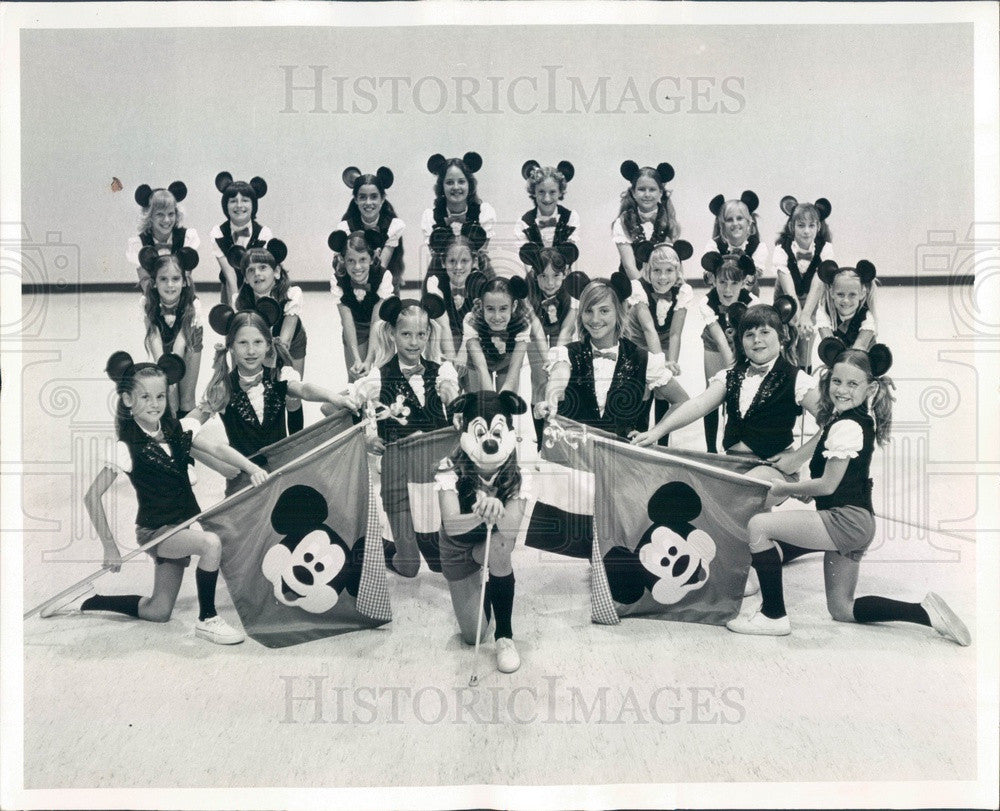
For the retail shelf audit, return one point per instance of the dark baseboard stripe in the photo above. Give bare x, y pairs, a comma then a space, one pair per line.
941, 280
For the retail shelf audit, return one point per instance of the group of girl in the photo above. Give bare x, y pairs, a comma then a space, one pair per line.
602, 351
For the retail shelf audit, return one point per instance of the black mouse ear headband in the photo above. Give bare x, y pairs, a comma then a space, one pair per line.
748, 198
785, 307
711, 262
351, 174
822, 205
122, 369
518, 288
879, 355
575, 282
630, 170
620, 285
531, 254
829, 269
224, 180
144, 193
187, 259
475, 284
220, 317
681, 247
275, 247
392, 307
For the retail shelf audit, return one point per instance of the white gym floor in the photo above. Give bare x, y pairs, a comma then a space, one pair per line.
112, 702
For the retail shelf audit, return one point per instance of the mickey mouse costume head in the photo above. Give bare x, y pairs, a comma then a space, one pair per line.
312, 565
672, 557
486, 420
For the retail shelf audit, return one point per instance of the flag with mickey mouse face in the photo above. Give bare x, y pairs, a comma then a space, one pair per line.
670, 528
294, 549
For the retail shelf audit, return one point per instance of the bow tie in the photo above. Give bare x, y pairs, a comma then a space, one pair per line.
241, 232
165, 310
754, 371
410, 371
549, 222
804, 256
359, 286
607, 354
247, 383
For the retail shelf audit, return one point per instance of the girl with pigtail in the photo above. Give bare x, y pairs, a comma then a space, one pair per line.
359, 286
250, 396
855, 414
171, 313
266, 278
646, 215
160, 226
371, 212
154, 451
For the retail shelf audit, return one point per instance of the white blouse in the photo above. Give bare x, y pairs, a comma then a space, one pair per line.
191, 240
804, 383
369, 386
487, 219
384, 288
845, 440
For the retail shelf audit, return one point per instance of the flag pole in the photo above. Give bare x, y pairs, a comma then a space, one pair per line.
474, 679
180, 527
684, 461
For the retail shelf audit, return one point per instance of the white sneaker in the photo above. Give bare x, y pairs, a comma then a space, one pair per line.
759, 625
753, 583
68, 605
945, 621
507, 658
216, 629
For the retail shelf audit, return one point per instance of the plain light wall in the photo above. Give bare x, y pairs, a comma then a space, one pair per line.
876, 118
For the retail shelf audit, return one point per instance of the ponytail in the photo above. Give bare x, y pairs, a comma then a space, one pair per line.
881, 406
217, 393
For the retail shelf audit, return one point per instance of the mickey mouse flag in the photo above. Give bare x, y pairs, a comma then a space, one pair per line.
670, 528
293, 549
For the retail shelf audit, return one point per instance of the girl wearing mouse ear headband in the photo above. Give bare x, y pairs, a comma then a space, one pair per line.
267, 281
604, 380
456, 197
160, 225
668, 298
549, 223
847, 303
154, 451
240, 230
855, 414
371, 212
172, 314
737, 231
